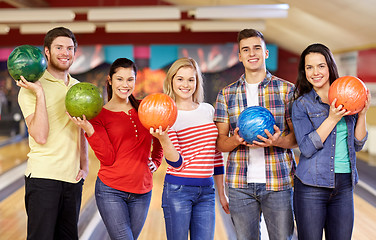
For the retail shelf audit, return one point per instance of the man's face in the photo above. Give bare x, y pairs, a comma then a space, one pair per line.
253, 53
61, 54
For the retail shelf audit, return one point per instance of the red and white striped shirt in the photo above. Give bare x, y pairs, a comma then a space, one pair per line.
194, 136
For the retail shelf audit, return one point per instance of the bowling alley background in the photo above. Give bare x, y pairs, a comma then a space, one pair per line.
218, 62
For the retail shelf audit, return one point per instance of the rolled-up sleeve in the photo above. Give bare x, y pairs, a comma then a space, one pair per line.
359, 144
308, 140
221, 113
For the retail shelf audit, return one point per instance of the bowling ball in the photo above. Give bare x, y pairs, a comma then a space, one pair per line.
27, 61
253, 121
157, 109
84, 99
350, 92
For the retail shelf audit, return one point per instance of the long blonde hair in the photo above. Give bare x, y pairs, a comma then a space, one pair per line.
198, 95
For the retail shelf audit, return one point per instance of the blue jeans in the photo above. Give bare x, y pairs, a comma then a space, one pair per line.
123, 213
247, 204
318, 208
189, 209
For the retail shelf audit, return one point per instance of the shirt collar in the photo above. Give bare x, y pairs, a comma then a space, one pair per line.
48, 76
263, 83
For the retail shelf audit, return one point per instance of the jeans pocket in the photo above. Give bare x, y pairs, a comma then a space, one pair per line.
174, 187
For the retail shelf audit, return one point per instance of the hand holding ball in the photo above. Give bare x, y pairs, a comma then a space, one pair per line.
253, 121
157, 109
27, 61
84, 99
350, 92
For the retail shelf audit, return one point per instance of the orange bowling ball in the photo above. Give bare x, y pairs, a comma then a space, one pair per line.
157, 109
350, 92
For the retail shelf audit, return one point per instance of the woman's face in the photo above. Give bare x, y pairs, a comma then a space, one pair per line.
316, 70
184, 83
123, 82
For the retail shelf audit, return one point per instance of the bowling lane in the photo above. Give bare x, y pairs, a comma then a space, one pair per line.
12, 208
13, 154
13, 215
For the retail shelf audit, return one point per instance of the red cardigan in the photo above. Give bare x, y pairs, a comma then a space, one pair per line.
123, 147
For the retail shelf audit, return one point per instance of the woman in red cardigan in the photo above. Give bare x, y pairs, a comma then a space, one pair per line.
123, 147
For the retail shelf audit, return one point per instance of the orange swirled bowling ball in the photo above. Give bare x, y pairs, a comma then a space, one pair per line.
157, 109
350, 92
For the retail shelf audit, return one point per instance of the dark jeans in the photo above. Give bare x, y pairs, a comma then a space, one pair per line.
318, 208
53, 208
123, 213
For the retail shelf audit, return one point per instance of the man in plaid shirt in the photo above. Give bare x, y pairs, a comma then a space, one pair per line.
259, 174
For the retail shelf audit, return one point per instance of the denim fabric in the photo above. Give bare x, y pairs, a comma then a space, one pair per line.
189, 209
318, 208
247, 204
53, 208
316, 163
123, 213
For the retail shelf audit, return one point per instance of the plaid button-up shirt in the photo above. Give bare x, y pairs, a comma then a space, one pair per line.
275, 94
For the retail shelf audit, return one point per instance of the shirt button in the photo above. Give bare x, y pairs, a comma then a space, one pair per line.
331, 157
331, 170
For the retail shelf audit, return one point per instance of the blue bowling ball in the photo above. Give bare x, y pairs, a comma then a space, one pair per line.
253, 121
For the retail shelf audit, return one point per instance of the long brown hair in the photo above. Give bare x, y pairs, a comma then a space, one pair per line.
122, 63
302, 85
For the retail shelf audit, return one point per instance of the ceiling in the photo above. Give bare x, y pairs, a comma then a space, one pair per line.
343, 25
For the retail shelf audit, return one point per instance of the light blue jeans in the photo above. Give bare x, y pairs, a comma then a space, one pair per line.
247, 204
123, 213
189, 209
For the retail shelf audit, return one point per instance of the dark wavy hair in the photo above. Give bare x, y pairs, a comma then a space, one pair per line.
122, 63
302, 85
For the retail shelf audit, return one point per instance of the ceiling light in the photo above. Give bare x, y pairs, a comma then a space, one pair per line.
4, 29
114, 27
42, 28
36, 15
133, 13
242, 11
224, 26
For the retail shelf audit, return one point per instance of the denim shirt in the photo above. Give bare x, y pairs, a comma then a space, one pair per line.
316, 163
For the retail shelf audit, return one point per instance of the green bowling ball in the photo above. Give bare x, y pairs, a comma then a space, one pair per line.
84, 99
27, 61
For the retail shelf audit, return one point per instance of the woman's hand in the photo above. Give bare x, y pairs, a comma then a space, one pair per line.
83, 123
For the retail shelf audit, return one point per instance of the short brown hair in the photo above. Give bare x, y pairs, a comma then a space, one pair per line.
248, 33
59, 32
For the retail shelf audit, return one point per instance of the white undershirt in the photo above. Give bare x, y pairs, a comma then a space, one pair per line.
256, 161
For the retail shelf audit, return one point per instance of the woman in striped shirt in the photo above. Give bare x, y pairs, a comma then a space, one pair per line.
188, 198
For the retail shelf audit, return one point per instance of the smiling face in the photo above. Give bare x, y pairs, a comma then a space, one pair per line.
253, 53
316, 70
61, 53
184, 83
122, 82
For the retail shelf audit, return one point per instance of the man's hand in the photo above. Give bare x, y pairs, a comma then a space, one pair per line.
82, 174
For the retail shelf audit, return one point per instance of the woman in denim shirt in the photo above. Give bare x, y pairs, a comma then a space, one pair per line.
328, 138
